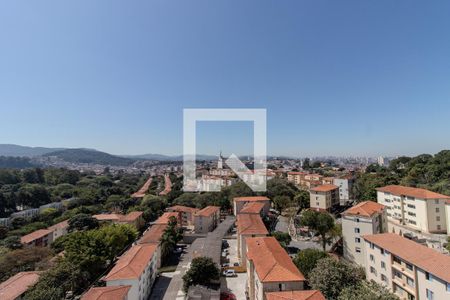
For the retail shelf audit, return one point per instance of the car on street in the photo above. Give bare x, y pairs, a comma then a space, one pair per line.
229, 273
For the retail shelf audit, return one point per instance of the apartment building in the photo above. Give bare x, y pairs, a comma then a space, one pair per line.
324, 197
248, 225
136, 268
153, 236
408, 269
270, 269
447, 215
59, 229
365, 218
416, 208
17, 285
295, 177
295, 295
107, 293
206, 219
164, 219
187, 214
239, 202
38, 238
253, 208
345, 185
134, 218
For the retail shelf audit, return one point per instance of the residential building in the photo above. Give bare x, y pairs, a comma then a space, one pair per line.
416, 208
137, 268
134, 218
447, 215
108, 293
59, 229
253, 208
365, 218
324, 197
239, 202
206, 219
408, 269
165, 218
153, 236
38, 238
187, 214
17, 285
295, 177
345, 185
270, 269
248, 225
295, 295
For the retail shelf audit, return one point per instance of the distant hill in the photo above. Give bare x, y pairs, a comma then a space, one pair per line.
10, 162
24, 151
90, 156
162, 157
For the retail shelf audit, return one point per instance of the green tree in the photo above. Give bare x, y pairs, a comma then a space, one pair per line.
12, 242
26, 259
366, 291
331, 276
282, 237
82, 222
202, 271
321, 223
301, 198
282, 202
307, 259
170, 238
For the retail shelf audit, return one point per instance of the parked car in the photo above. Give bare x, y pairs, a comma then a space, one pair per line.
236, 264
229, 273
225, 265
178, 250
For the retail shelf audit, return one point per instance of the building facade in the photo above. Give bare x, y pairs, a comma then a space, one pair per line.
240, 202
365, 218
248, 225
206, 219
324, 197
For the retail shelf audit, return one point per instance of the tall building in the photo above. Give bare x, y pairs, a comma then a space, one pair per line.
324, 197
408, 269
345, 185
362, 219
220, 161
415, 208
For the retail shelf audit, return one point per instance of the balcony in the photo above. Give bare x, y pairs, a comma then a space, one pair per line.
406, 287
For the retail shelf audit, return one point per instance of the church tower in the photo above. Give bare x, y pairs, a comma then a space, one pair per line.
220, 162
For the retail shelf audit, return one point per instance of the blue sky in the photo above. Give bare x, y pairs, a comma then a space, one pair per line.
336, 77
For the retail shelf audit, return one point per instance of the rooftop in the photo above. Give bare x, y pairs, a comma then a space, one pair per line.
400, 190
423, 257
132, 216
164, 219
182, 208
60, 225
35, 235
208, 211
108, 217
295, 295
132, 263
250, 224
154, 234
17, 285
365, 209
107, 293
251, 198
252, 208
143, 189
324, 188
271, 261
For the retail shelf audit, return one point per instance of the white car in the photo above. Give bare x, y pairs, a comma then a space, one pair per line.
229, 273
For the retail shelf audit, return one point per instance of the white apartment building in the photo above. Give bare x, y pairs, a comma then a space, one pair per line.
365, 218
418, 209
207, 219
136, 268
345, 185
447, 215
408, 269
324, 197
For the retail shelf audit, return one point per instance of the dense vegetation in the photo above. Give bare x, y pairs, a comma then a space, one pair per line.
90, 156
424, 171
11, 162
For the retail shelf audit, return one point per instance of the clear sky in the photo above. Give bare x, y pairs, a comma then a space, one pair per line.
336, 77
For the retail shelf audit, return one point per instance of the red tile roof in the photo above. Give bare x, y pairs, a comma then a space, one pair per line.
400, 190
295, 295
119, 292
365, 209
153, 235
15, 286
271, 261
132, 263
143, 189
182, 208
35, 235
60, 225
324, 188
423, 257
208, 211
252, 208
132, 216
108, 217
296, 173
250, 224
164, 219
251, 198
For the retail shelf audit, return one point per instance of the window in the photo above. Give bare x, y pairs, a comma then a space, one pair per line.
411, 214
437, 209
383, 265
436, 201
372, 258
438, 218
282, 286
373, 271
428, 276
357, 240
438, 227
411, 206
356, 230
409, 267
412, 222
448, 287
430, 295
410, 282
383, 278
372, 246
358, 250
357, 220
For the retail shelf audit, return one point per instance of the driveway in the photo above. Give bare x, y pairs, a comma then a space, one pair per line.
234, 285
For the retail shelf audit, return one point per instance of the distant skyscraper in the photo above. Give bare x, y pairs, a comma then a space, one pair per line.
381, 161
220, 161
